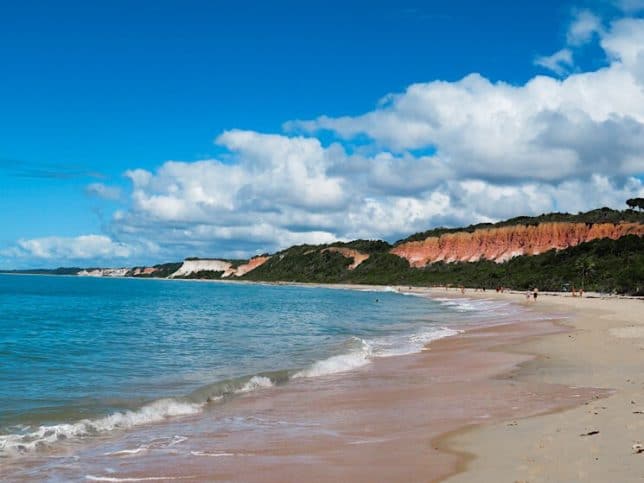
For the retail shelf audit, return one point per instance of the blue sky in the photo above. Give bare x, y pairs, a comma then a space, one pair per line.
92, 91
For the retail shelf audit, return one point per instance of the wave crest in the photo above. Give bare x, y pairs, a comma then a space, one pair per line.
339, 363
11, 444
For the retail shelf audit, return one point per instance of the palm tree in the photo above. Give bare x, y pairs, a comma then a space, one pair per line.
586, 267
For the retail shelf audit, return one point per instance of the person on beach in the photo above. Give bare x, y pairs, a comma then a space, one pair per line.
535, 293
527, 295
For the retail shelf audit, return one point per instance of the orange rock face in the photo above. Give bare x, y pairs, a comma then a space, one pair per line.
501, 244
252, 264
144, 271
358, 257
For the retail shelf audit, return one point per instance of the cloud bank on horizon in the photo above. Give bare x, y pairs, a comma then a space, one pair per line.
439, 153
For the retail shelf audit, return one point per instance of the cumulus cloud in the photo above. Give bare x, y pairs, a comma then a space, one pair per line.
438, 153
103, 191
80, 248
491, 150
583, 27
495, 130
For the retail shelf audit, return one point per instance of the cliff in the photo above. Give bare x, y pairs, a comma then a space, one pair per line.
503, 243
193, 266
199, 265
358, 257
103, 272
252, 264
602, 250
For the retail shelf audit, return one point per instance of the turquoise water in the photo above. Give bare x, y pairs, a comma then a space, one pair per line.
81, 356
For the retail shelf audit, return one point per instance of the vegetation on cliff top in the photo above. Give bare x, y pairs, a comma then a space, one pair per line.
600, 215
163, 270
602, 265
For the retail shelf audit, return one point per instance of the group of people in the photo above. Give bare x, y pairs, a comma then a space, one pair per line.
530, 294
534, 294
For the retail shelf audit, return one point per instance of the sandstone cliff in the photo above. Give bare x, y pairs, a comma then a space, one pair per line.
252, 264
103, 272
210, 265
501, 244
358, 257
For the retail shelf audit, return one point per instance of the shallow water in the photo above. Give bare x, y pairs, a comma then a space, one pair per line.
83, 357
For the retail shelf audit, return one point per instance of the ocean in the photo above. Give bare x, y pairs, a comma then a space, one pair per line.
84, 358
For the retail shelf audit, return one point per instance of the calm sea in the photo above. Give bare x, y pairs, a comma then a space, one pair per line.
81, 357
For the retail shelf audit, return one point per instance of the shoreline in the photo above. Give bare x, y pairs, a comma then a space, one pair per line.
593, 441
381, 422
501, 361
452, 291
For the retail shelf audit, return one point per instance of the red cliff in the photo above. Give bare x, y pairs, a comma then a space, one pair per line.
501, 244
251, 265
358, 257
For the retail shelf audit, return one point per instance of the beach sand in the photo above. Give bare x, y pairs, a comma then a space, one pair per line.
605, 349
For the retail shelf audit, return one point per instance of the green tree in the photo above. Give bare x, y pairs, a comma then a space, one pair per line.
585, 267
635, 203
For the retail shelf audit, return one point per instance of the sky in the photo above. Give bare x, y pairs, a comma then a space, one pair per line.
138, 132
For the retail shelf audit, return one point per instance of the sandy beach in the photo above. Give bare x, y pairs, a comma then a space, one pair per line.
557, 396
597, 440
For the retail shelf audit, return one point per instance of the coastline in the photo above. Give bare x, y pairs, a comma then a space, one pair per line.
421, 416
380, 422
604, 347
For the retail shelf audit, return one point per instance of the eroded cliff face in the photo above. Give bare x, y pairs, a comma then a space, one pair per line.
252, 264
143, 271
211, 265
358, 257
501, 244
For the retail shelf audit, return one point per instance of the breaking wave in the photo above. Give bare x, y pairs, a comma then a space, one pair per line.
387, 346
339, 363
46, 435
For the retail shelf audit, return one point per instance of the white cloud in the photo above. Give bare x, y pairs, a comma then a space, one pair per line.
500, 150
101, 190
625, 44
80, 248
490, 150
583, 27
539, 130
560, 62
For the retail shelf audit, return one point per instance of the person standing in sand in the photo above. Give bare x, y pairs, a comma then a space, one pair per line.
535, 293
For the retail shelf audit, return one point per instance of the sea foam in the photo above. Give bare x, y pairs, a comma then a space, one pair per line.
255, 383
46, 435
339, 363
388, 346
